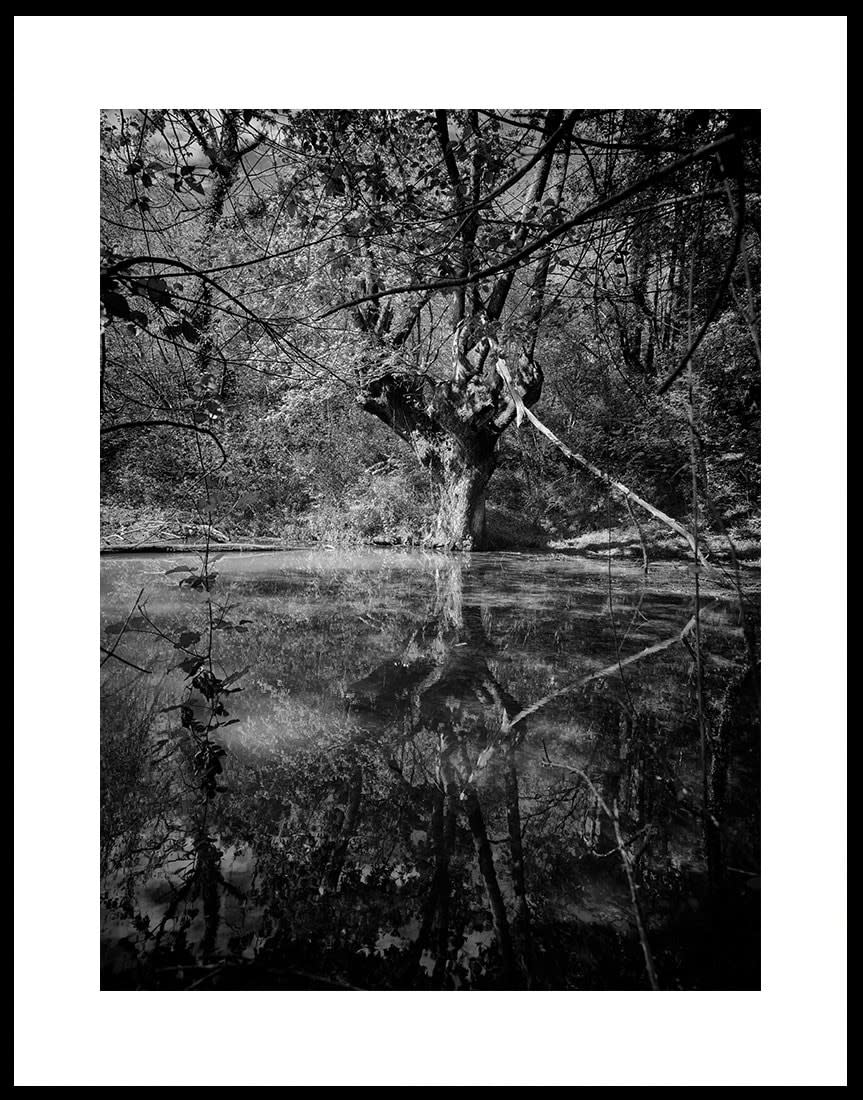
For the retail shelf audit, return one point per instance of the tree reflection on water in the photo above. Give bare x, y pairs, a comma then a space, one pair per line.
382, 814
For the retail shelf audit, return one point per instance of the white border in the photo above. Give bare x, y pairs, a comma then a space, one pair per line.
791, 1033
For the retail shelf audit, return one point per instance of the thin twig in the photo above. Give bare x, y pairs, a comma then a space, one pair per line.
123, 661
110, 652
626, 860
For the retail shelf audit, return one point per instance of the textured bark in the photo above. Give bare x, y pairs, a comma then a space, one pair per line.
452, 429
461, 483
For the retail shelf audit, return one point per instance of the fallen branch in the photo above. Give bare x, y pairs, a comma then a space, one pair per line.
612, 483
507, 724
608, 671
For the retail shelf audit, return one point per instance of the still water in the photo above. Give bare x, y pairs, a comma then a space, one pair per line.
395, 770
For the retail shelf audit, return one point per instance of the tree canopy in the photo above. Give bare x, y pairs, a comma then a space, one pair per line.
269, 276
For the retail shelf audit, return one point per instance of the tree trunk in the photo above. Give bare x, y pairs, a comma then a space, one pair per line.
460, 483
453, 423
454, 440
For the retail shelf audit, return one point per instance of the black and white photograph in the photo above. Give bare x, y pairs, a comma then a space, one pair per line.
429, 455
430, 497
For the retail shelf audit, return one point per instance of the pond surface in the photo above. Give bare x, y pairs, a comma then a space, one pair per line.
395, 770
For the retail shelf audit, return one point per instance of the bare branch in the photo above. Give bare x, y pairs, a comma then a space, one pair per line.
518, 258
128, 424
